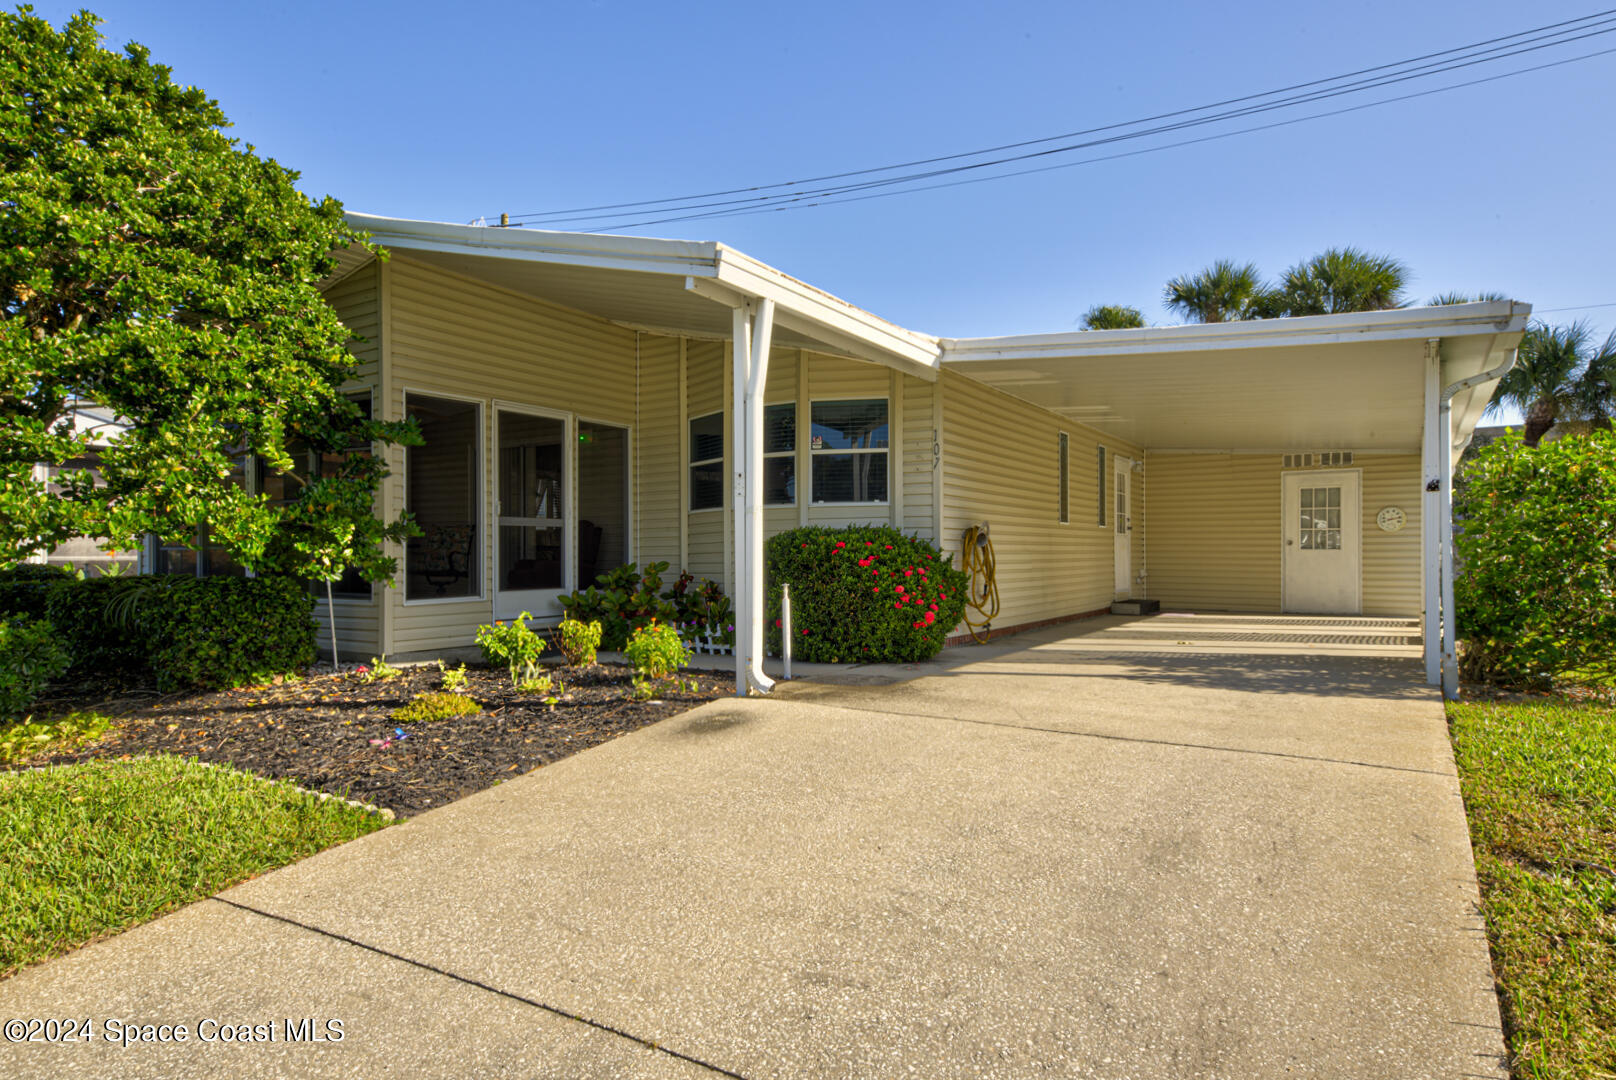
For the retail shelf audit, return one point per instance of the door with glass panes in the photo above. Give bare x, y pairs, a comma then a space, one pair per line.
1323, 534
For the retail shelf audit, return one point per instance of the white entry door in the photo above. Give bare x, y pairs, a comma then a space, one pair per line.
1323, 542
1122, 525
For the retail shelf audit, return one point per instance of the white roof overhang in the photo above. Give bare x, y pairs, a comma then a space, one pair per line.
675, 287
1322, 382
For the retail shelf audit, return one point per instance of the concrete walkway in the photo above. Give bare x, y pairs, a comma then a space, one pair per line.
1070, 856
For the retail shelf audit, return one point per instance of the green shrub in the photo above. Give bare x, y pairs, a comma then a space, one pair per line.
863, 594
513, 644
436, 705
30, 738
25, 587
453, 678
108, 624
31, 655
579, 641
224, 631
701, 610
189, 632
656, 651
624, 600
1536, 587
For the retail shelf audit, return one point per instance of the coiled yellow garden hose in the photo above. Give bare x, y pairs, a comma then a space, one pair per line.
977, 560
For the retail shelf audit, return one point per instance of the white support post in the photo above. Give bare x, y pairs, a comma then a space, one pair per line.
1431, 512
740, 370
1450, 621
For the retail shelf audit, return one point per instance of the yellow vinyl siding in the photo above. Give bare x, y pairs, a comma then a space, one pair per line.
459, 337
918, 471
1001, 465
1392, 562
357, 300
1214, 532
656, 452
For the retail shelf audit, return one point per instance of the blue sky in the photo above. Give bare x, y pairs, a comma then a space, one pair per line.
451, 112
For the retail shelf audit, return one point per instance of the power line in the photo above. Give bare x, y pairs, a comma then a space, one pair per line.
1561, 33
834, 196
1107, 157
1575, 307
534, 215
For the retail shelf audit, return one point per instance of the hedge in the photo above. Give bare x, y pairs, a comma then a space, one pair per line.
188, 632
24, 588
862, 594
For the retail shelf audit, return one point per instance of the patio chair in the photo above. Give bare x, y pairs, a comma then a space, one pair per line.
446, 554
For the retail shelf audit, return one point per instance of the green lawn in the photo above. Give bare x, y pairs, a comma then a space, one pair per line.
1539, 786
89, 850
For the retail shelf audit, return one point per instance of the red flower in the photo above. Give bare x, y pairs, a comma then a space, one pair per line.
931, 617
777, 621
869, 543
777, 624
899, 604
876, 589
909, 572
889, 547
805, 631
840, 544
805, 545
917, 626
899, 588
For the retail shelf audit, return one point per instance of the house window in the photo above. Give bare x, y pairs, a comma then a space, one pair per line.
84, 553
849, 451
707, 461
201, 556
780, 454
443, 492
1102, 485
1063, 485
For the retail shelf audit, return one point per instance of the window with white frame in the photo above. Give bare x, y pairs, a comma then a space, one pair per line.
848, 447
443, 492
780, 454
1062, 448
707, 461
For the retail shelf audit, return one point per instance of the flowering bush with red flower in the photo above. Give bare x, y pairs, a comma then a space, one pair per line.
863, 594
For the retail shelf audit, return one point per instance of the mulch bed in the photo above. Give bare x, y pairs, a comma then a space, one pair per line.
335, 733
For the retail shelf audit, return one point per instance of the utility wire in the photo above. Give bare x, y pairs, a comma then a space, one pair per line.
780, 201
1590, 26
832, 201
534, 215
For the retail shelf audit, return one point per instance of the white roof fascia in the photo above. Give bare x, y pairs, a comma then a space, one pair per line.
806, 309
686, 258
1453, 320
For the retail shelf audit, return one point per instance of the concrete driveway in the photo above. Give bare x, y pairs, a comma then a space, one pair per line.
1075, 855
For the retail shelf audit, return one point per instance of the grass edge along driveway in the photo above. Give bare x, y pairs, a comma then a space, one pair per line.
1539, 783
95, 848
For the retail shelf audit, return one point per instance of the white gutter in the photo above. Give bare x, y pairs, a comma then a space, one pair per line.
1449, 320
1450, 656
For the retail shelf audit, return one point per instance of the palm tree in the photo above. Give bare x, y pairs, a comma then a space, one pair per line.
1112, 317
1340, 280
1560, 375
1223, 292
1444, 299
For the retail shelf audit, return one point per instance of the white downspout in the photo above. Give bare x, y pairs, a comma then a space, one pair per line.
757, 380
1450, 655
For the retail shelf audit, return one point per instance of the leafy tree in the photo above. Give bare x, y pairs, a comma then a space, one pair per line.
157, 268
1112, 317
1223, 292
1560, 374
1336, 281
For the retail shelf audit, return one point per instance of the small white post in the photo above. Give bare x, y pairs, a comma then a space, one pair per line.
785, 629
